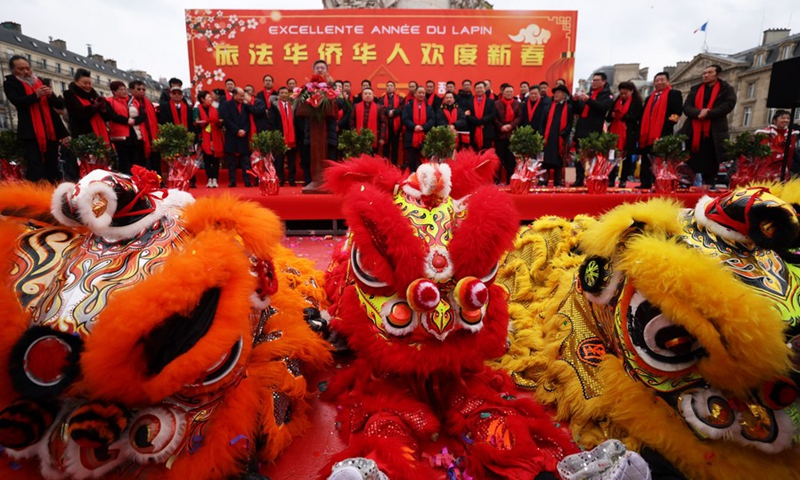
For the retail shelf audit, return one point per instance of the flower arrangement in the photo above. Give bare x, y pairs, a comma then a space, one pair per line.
439, 144
316, 94
353, 143
12, 156
526, 144
598, 153
669, 154
265, 146
750, 154
92, 152
174, 143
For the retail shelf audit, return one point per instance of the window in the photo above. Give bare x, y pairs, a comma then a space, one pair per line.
44, 63
49, 49
71, 71
786, 52
28, 56
63, 87
34, 44
18, 39
797, 115
58, 67
748, 114
751, 90
64, 54
758, 60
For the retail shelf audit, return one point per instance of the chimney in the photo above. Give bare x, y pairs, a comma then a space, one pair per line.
643, 72
59, 43
138, 73
89, 49
111, 61
774, 35
681, 65
97, 57
13, 26
670, 70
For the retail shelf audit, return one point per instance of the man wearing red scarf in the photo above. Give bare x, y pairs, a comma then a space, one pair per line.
147, 131
624, 119
532, 111
38, 125
480, 116
662, 110
392, 104
235, 116
558, 123
177, 110
591, 110
281, 118
369, 114
262, 103
507, 119
418, 118
433, 100
707, 106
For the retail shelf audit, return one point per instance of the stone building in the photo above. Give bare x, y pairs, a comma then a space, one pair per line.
748, 72
622, 72
51, 60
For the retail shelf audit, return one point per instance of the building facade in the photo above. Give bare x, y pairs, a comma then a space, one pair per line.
52, 60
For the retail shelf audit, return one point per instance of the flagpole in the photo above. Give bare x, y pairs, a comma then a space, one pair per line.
705, 38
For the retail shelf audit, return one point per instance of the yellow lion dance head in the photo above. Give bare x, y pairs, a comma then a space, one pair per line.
671, 329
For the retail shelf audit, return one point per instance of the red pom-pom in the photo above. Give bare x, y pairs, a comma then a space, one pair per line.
423, 295
471, 293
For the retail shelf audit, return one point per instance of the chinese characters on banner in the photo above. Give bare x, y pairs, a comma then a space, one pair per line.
381, 45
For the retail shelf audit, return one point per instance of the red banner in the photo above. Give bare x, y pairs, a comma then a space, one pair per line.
381, 45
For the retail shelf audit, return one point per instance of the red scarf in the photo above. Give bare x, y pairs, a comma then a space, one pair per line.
40, 117
430, 99
585, 112
617, 125
561, 127
451, 114
479, 105
653, 120
228, 95
420, 117
702, 128
184, 119
509, 104
268, 94
395, 104
372, 121
212, 140
98, 125
150, 128
532, 108
288, 125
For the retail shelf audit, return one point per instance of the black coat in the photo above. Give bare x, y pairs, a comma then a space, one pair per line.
633, 120
80, 116
464, 100
345, 111
165, 113
538, 120
408, 122
436, 103
674, 107
15, 92
461, 121
275, 119
499, 119
598, 108
396, 112
234, 120
552, 156
261, 112
723, 105
487, 120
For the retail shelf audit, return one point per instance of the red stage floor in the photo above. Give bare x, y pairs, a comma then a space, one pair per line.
292, 204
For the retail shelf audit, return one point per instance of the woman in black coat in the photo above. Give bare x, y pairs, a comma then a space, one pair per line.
85, 107
625, 118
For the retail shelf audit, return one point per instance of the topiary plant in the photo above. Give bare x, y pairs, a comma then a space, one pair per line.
671, 148
11, 147
354, 143
526, 142
439, 143
269, 142
173, 141
92, 148
597, 143
748, 145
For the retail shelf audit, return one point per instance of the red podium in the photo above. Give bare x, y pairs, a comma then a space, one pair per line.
318, 132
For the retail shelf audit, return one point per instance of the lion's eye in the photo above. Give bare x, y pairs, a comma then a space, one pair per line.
363, 275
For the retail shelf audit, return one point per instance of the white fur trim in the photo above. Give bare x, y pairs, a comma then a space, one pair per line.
431, 272
61, 195
173, 429
607, 293
397, 332
77, 471
178, 199
714, 227
83, 204
426, 177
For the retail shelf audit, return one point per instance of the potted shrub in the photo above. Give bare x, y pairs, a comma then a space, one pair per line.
92, 152
669, 154
265, 146
174, 143
12, 156
354, 143
598, 152
752, 159
526, 144
439, 144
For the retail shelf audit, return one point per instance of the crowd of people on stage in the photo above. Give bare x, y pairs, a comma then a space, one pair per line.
226, 119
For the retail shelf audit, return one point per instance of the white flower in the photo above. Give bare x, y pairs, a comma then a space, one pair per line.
233, 19
198, 69
243, 29
222, 32
208, 12
232, 34
219, 13
208, 34
207, 74
219, 75
252, 23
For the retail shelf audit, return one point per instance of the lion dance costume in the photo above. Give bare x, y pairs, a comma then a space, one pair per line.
673, 330
148, 336
413, 293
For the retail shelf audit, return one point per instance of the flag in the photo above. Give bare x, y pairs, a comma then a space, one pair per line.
702, 28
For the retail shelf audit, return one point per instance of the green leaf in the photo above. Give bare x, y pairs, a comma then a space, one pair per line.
671, 148
88, 144
11, 147
526, 142
173, 141
354, 143
268, 142
439, 143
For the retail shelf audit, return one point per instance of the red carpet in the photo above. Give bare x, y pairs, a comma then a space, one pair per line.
292, 204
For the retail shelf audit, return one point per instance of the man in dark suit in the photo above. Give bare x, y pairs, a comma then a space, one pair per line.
591, 109
281, 119
707, 107
392, 104
532, 111
480, 114
662, 110
433, 100
38, 124
236, 118
176, 110
418, 118
506, 120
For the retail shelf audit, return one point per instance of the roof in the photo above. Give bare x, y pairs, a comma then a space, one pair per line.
47, 50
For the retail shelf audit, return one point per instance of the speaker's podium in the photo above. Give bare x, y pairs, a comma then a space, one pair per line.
784, 92
318, 138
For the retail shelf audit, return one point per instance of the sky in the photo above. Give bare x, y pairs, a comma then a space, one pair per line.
149, 34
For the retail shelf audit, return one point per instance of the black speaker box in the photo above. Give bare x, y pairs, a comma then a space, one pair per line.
784, 85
